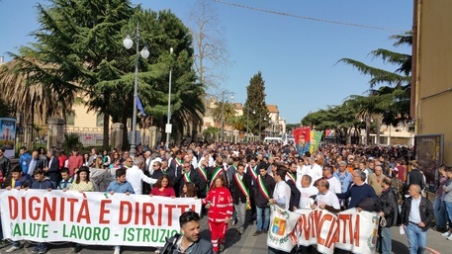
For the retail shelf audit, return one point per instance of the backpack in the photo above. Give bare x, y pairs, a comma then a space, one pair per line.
170, 246
397, 214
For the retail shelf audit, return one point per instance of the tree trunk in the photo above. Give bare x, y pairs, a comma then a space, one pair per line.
106, 138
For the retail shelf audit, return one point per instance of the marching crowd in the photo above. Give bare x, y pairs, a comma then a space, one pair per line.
237, 183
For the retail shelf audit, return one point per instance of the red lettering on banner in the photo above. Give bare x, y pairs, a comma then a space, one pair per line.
104, 211
62, 211
148, 214
332, 233
170, 213
323, 219
316, 215
159, 215
137, 211
84, 212
72, 202
127, 205
24, 208
304, 226
49, 209
356, 234
347, 220
37, 214
13, 205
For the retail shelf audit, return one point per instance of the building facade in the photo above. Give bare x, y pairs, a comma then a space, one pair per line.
431, 73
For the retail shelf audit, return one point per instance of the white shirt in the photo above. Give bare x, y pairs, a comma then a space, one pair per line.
304, 170
329, 199
335, 185
134, 176
282, 195
315, 171
415, 215
194, 162
367, 174
306, 193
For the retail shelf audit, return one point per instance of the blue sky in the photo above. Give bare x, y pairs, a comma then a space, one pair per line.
297, 56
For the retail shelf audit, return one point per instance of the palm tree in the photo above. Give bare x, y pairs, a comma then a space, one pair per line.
389, 104
31, 99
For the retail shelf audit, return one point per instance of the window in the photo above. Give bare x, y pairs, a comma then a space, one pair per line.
70, 118
100, 120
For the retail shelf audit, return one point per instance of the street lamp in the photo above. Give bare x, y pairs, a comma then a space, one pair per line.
128, 43
254, 113
168, 125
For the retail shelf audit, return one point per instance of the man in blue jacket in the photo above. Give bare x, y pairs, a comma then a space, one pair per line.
24, 156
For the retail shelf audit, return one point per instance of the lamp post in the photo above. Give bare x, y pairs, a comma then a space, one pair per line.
128, 43
168, 126
254, 113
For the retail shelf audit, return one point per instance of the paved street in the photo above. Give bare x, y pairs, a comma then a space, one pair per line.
244, 244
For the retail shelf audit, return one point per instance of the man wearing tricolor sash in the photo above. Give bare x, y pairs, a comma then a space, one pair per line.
262, 194
240, 186
252, 170
232, 169
204, 180
291, 180
177, 161
188, 175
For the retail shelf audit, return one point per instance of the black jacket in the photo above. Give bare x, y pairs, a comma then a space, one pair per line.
5, 166
202, 246
425, 209
180, 180
388, 205
259, 199
54, 171
415, 177
295, 195
237, 194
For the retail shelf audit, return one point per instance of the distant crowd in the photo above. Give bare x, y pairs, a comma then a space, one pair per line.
237, 183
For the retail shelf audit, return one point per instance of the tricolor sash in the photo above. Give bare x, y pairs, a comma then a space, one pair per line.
243, 189
291, 177
178, 162
263, 190
202, 172
187, 178
217, 172
253, 172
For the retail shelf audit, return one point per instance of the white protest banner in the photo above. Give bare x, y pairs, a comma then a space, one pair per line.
348, 230
305, 231
91, 217
281, 235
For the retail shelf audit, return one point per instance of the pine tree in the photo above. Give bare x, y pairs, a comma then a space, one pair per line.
255, 107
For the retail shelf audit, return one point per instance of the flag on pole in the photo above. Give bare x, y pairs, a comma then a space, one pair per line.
140, 106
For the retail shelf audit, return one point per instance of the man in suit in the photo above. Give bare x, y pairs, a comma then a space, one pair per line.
52, 170
240, 186
177, 161
186, 173
34, 163
291, 180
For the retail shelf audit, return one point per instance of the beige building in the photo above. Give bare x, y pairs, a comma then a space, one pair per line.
432, 75
276, 124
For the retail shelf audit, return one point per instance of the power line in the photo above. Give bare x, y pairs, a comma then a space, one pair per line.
309, 18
